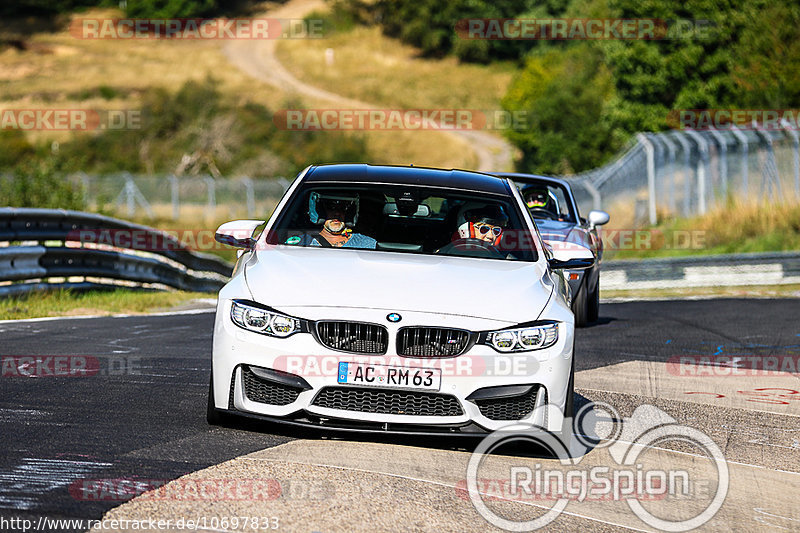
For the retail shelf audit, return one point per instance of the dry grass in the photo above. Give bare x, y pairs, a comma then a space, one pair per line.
733, 228
57, 68
67, 303
53, 73
383, 71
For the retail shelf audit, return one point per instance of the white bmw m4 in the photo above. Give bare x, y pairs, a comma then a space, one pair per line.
396, 299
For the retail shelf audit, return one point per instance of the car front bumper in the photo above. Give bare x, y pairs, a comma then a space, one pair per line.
478, 388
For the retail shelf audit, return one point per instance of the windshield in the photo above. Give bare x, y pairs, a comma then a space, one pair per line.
407, 219
549, 201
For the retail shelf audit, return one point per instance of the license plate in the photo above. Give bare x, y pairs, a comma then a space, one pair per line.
390, 376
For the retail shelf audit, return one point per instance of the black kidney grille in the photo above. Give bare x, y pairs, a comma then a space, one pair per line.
264, 391
513, 408
355, 337
432, 342
388, 402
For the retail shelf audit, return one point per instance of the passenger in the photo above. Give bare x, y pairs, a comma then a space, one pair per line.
338, 213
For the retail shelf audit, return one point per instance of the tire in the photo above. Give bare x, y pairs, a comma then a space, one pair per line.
580, 307
594, 303
565, 435
213, 415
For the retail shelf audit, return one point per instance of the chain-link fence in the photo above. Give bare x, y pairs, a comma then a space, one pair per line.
677, 173
686, 173
132, 196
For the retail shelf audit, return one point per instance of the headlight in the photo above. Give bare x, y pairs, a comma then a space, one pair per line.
263, 321
523, 339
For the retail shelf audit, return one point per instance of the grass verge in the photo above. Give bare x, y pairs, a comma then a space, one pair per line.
731, 229
69, 303
748, 291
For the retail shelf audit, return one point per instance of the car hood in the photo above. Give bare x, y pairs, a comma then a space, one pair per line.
557, 231
554, 230
511, 291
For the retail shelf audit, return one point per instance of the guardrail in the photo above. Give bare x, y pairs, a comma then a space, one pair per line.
50, 246
773, 268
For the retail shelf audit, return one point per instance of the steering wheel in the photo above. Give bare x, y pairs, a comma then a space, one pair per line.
470, 248
539, 212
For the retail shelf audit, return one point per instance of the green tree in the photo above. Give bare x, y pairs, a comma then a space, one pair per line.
564, 96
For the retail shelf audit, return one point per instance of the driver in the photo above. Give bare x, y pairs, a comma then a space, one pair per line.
337, 213
485, 223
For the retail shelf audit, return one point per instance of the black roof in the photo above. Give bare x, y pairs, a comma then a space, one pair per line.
528, 178
422, 176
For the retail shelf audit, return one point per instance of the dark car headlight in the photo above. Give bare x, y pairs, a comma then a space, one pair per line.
262, 320
524, 339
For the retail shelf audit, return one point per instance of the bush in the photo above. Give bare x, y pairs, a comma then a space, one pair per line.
564, 96
195, 121
39, 185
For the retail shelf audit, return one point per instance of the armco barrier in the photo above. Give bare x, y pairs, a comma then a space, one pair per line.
172, 265
773, 268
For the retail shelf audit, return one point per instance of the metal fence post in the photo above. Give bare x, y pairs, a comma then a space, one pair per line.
649, 151
723, 159
742, 138
212, 194
250, 196
175, 196
131, 194
671, 155
702, 147
769, 169
792, 133
597, 201
687, 155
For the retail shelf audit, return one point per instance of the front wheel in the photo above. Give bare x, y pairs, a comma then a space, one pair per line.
580, 307
213, 415
594, 303
569, 407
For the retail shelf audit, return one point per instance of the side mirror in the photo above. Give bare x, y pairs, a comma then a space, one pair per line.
598, 218
238, 233
570, 256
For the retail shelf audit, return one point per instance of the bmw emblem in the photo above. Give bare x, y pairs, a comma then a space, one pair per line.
393, 317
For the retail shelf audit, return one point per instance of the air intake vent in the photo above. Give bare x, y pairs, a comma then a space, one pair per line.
265, 391
513, 408
432, 342
353, 337
388, 402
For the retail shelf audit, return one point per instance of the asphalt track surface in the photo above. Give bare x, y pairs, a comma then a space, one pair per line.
141, 415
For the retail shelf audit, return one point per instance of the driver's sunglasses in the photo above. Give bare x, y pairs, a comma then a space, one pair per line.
483, 229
